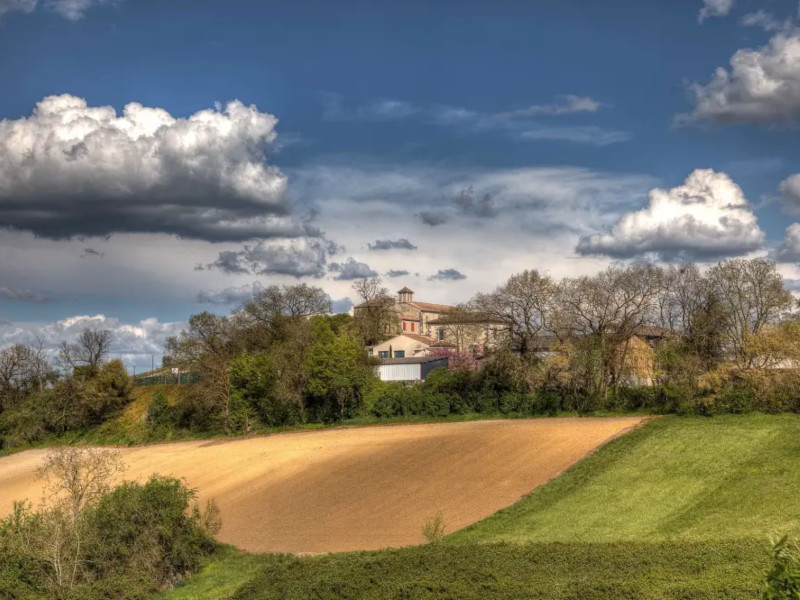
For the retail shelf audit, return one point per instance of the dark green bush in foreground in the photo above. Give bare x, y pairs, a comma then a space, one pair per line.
138, 540
575, 571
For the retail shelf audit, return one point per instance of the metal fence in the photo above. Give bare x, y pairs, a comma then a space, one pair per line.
168, 379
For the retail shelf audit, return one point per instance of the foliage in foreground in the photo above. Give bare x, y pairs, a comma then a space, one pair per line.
88, 541
633, 570
783, 579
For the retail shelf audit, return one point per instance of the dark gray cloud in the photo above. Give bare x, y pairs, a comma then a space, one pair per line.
231, 295
298, 258
342, 305
447, 275
396, 273
21, 295
144, 171
91, 252
482, 206
401, 244
351, 269
431, 218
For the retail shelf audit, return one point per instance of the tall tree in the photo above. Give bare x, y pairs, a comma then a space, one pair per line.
751, 296
609, 309
208, 344
89, 350
265, 317
375, 318
525, 304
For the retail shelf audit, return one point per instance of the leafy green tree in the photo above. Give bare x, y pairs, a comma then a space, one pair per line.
337, 373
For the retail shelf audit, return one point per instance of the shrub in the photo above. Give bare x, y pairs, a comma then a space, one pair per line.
783, 579
433, 528
160, 413
152, 528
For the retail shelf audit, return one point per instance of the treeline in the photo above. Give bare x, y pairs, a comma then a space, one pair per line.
280, 359
637, 337
75, 390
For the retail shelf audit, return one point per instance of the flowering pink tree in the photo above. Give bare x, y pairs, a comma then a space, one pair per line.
457, 359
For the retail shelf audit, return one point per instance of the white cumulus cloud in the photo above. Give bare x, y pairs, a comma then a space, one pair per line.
708, 216
789, 250
714, 8
134, 343
74, 10
70, 169
762, 86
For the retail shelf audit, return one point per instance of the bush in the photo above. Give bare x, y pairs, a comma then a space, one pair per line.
150, 528
137, 540
160, 413
505, 571
393, 399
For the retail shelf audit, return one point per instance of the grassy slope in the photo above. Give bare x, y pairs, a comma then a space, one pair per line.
678, 478
682, 508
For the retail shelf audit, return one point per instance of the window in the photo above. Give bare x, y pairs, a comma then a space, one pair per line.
383, 354
440, 334
412, 328
399, 353
404, 326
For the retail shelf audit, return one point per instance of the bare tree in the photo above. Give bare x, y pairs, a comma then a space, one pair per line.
208, 344
683, 292
23, 368
751, 295
264, 318
79, 476
609, 308
525, 304
375, 318
75, 478
89, 350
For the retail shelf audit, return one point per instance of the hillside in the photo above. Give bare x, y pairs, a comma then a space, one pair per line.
356, 488
681, 508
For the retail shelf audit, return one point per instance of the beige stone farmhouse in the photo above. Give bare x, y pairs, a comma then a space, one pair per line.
425, 325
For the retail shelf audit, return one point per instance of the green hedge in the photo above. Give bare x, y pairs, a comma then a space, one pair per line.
641, 571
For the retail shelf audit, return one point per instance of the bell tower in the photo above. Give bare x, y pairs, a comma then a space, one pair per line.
405, 295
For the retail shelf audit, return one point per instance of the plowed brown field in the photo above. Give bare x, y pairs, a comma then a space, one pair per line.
355, 488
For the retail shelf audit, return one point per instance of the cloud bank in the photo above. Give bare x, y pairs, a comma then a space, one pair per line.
762, 86
706, 217
74, 170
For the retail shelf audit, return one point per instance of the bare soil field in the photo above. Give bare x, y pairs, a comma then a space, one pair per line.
358, 488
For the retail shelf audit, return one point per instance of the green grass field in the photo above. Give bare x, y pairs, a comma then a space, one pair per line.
681, 508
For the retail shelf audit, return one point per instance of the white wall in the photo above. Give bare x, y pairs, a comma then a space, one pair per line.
410, 372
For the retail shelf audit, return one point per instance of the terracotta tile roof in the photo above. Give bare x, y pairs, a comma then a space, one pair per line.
442, 344
430, 307
420, 338
465, 318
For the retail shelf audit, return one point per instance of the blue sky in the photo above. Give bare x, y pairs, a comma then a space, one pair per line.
492, 137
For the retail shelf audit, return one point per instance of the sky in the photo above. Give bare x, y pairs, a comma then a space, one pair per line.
158, 159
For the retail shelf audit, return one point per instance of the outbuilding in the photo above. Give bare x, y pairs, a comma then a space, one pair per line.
414, 368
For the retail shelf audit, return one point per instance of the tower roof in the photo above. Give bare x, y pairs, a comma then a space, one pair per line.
405, 290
